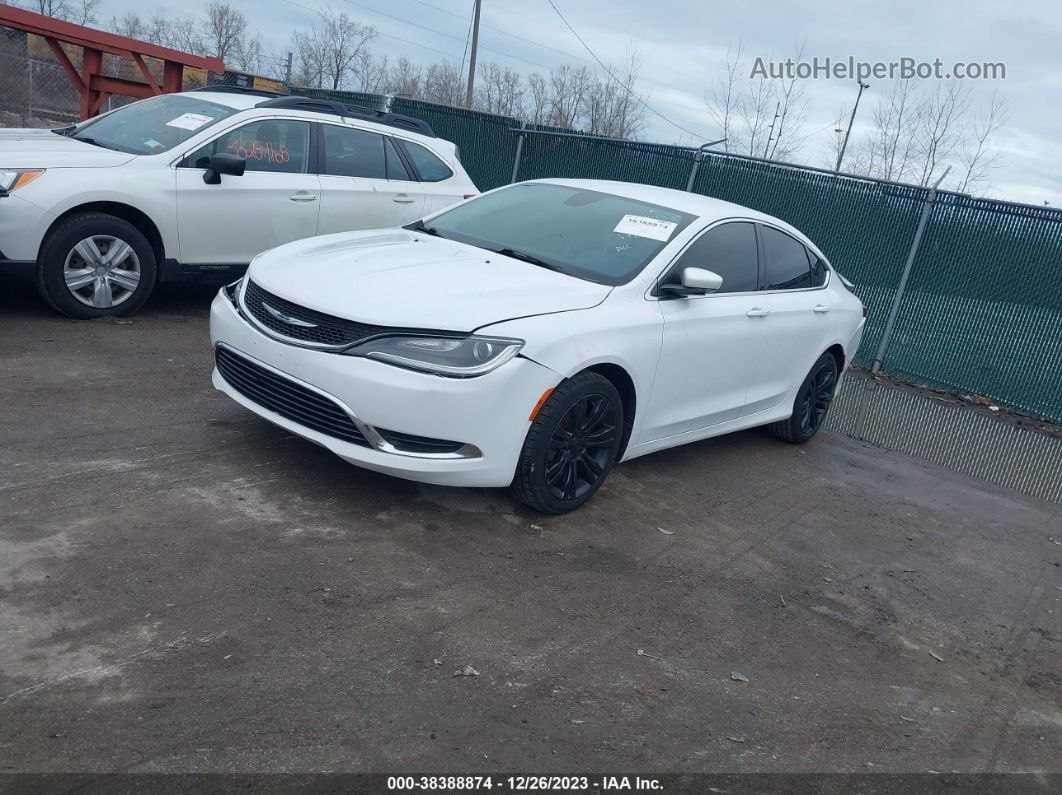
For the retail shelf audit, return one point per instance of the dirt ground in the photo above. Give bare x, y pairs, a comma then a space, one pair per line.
184, 587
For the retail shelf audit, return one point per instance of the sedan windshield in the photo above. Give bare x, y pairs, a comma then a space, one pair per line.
153, 125
599, 237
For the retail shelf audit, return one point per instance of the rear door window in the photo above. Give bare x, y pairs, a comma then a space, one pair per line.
353, 153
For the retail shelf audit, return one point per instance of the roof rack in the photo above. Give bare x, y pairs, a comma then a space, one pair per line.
339, 109
220, 88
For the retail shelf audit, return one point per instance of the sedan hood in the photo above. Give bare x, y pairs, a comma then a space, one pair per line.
27, 148
398, 278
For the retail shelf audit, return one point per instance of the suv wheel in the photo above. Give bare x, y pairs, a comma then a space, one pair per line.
96, 265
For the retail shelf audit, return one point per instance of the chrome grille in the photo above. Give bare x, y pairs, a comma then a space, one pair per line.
285, 397
322, 329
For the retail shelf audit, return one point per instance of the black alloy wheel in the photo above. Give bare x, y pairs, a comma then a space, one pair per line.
571, 446
812, 402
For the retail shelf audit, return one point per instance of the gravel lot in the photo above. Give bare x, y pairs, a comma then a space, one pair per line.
186, 587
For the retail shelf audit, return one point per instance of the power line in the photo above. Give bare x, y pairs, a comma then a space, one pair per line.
565, 53
608, 71
538, 21
501, 53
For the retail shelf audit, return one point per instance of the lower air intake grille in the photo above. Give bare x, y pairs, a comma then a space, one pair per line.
285, 397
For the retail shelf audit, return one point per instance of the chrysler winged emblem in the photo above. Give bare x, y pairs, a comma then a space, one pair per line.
291, 321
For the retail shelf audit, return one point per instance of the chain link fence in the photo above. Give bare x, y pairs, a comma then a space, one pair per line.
35, 91
982, 313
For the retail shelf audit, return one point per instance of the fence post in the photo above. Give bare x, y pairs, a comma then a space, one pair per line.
697, 158
894, 310
519, 152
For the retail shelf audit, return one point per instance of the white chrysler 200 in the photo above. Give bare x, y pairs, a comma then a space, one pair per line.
538, 334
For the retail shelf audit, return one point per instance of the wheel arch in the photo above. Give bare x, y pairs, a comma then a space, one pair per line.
138, 218
621, 379
837, 351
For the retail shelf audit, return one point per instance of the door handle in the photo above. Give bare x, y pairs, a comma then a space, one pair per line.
757, 312
821, 309
402, 198
303, 196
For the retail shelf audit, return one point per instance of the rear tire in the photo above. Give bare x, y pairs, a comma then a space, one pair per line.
571, 446
95, 265
812, 403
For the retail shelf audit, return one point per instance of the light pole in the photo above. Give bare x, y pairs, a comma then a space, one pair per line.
844, 144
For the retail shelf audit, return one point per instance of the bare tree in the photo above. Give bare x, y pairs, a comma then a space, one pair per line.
310, 56
538, 99
940, 132
568, 88
755, 112
891, 147
371, 73
329, 53
251, 57
223, 29
499, 90
404, 78
758, 115
723, 98
613, 107
81, 12
444, 83
979, 154
792, 113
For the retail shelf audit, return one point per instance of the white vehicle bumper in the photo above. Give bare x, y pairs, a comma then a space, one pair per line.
22, 228
488, 414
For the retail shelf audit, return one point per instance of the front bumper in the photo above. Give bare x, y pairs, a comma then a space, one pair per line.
489, 413
22, 228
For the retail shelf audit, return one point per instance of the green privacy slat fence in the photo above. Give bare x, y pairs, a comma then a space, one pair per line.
983, 310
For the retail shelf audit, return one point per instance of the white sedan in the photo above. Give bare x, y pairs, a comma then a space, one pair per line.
535, 336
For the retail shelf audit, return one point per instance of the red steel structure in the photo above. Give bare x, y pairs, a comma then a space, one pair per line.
94, 86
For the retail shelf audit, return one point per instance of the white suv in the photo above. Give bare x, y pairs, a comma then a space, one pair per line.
194, 185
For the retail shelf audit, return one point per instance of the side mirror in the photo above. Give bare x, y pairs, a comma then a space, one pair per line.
695, 281
223, 163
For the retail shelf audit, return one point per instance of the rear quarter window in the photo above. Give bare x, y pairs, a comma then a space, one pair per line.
429, 167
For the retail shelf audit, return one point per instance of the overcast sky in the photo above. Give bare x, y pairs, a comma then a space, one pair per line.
684, 41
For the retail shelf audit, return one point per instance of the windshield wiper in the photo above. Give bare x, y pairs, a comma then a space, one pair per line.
65, 131
420, 226
94, 142
520, 255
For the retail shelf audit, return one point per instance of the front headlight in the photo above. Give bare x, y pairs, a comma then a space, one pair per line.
456, 357
12, 179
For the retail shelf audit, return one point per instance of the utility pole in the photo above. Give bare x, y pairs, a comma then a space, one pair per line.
287, 71
844, 144
472, 57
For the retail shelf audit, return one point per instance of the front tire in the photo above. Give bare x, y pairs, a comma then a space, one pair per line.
812, 403
571, 446
96, 265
